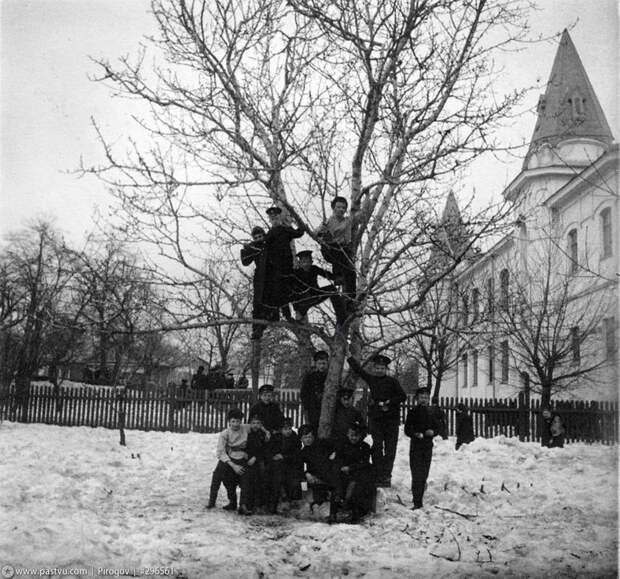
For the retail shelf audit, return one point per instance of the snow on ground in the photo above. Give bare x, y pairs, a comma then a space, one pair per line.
72, 498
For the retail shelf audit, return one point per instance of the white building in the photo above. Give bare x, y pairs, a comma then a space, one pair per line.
549, 290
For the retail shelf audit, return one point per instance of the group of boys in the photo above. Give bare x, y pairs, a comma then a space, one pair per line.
268, 460
277, 283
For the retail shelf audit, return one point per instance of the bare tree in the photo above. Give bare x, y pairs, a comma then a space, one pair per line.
293, 102
550, 316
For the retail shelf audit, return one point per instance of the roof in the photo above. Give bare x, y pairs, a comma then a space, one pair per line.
569, 108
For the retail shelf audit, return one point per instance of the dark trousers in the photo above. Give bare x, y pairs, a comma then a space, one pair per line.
384, 441
343, 265
283, 480
358, 490
253, 485
223, 473
314, 296
420, 457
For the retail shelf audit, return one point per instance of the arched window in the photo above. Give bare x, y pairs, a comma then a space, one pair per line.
606, 232
573, 251
475, 303
504, 288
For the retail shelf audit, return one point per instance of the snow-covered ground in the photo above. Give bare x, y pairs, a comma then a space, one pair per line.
72, 498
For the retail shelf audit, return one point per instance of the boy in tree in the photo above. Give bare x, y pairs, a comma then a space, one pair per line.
232, 459
356, 473
253, 480
336, 239
283, 468
421, 425
312, 386
386, 396
306, 290
280, 259
267, 410
346, 415
256, 252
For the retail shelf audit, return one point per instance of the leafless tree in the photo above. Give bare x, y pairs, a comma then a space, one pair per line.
264, 101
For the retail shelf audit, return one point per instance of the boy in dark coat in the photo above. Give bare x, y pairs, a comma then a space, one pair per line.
421, 426
267, 410
356, 473
253, 480
283, 467
386, 396
346, 415
545, 426
280, 259
464, 426
317, 457
306, 290
256, 252
312, 386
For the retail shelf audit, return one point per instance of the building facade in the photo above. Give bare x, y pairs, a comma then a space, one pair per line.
539, 310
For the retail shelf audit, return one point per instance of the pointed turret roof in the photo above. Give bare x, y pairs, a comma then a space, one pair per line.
569, 108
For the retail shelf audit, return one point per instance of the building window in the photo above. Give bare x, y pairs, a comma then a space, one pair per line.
606, 232
465, 311
609, 327
474, 378
505, 361
574, 344
573, 251
491, 354
490, 297
504, 288
465, 370
475, 303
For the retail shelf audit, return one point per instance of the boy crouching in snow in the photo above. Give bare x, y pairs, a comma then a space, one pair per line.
253, 480
232, 459
421, 426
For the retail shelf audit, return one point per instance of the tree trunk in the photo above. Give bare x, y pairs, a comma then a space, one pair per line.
545, 396
332, 383
22, 395
256, 351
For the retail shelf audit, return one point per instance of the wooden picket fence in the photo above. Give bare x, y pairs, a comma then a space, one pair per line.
108, 407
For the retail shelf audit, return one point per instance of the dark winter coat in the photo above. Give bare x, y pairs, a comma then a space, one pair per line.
311, 395
256, 253
287, 446
382, 389
316, 460
343, 418
419, 420
355, 456
270, 414
306, 281
279, 251
256, 445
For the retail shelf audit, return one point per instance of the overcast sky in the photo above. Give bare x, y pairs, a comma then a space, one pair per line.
47, 99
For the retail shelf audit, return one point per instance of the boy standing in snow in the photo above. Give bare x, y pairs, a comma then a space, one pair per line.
312, 386
421, 426
464, 426
386, 396
232, 459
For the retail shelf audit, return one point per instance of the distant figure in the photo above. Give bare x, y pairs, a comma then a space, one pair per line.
306, 290
441, 417
280, 260
545, 426
464, 426
557, 432
229, 380
311, 392
199, 383
243, 382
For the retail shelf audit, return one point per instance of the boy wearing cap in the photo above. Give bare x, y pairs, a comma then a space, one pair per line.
253, 480
336, 239
346, 415
386, 396
280, 259
306, 290
267, 410
232, 459
421, 425
255, 252
355, 471
312, 386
